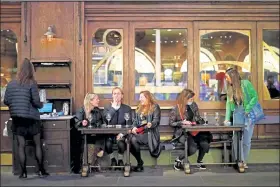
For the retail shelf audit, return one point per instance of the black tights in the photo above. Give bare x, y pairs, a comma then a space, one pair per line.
22, 155
135, 150
109, 146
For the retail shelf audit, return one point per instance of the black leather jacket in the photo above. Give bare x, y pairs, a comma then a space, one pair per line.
97, 118
153, 132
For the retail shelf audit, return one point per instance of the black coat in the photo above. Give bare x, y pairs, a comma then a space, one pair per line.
97, 118
117, 116
23, 100
153, 132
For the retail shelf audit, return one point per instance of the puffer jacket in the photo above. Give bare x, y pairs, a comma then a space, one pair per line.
23, 100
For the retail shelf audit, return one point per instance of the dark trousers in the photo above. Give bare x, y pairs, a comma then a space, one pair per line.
194, 143
109, 145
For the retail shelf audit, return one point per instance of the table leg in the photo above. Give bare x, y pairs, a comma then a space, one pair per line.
127, 164
187, 168
85, 169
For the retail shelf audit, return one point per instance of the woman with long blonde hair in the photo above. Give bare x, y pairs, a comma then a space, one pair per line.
186, 113
145, 128
237, 92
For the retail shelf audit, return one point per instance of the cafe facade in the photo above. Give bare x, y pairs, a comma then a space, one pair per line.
160, 46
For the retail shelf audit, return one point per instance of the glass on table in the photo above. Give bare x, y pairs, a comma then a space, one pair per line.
205, 118
126, 117
108, 118
217, 117
90, 119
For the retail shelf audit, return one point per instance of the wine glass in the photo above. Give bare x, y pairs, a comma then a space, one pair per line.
205, 118
90, 119
108, 117
217, 117
126, 117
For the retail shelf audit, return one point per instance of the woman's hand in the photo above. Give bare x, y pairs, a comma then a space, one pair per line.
119, 136
185, 122
133, 131
149, 125
84, 123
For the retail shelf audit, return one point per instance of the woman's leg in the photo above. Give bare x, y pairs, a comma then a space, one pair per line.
109, 150
22, 155
203, 149
247, 136
121, 148
38, 154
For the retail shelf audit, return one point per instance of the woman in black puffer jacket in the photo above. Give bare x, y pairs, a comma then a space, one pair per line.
22, 98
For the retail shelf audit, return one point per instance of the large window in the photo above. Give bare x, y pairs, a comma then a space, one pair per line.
220, 50
9, 54
161, 62
270, 45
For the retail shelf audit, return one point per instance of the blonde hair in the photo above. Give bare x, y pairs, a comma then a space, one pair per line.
117, 88
87, 105
183, 98
236, 89
149, 107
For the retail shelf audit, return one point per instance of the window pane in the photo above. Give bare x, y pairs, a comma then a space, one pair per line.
271, 64
160, 62
107, 61
9, 53
220, 50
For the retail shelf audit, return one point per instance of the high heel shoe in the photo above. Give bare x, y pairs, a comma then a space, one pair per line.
23, 175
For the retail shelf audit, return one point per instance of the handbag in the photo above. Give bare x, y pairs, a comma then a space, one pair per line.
256, 114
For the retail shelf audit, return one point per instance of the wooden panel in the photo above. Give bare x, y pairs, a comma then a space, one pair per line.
10, 12
46, 14
55, 124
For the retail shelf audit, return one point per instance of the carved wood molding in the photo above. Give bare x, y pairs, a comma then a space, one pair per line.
184, 9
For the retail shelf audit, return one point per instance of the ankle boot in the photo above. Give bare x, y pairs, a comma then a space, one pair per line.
23, 174
42, 172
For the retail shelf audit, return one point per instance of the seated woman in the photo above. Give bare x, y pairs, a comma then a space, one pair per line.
186, 113
116, 110
145, 129
91, 112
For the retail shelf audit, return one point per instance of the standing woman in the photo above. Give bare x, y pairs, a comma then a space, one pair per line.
236, 98
145, 129
22, 98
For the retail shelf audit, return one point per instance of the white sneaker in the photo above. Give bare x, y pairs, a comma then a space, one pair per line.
178, 164
245, 166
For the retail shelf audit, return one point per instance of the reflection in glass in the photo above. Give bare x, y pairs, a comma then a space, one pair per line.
107, 61
271, 64
160, 62
9, 50
220, 50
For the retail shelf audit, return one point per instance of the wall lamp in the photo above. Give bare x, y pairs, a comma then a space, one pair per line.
50, 33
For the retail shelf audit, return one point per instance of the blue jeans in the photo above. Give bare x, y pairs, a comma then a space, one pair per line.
246, 140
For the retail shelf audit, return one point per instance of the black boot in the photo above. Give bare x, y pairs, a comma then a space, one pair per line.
23, 174
42, 172
113, 163
139, 167
120, 163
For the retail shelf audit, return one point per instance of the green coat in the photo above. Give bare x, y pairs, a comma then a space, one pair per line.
248, 103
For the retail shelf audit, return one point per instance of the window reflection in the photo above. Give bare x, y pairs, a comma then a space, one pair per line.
9, 53
107, 61
271, 64
160, 62
220, 50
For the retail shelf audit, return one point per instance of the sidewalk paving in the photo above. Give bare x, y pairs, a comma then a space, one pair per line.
162, 176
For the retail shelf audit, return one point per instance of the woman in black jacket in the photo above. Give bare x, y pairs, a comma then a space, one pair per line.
88, 115
145, 129
22, 98
186, 113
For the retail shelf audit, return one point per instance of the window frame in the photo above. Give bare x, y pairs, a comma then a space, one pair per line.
273, 103
133, 26
214, 25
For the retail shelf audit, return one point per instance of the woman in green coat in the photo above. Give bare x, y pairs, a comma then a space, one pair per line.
236, 97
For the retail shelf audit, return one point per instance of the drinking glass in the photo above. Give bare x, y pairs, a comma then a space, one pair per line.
217, 117
108, 117
126, 117
90, 119
205, 118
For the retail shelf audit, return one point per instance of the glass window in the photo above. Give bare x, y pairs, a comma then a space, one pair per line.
271, 64
9, 54
107, 61
220, 50
160, 62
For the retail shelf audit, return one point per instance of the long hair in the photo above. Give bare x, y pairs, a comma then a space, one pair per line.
183, 98
235, 88
87, 104
148, 108
26, 73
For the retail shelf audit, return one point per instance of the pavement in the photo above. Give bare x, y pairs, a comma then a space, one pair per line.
256, 175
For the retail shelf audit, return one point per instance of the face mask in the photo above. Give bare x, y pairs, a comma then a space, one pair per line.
190, 103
